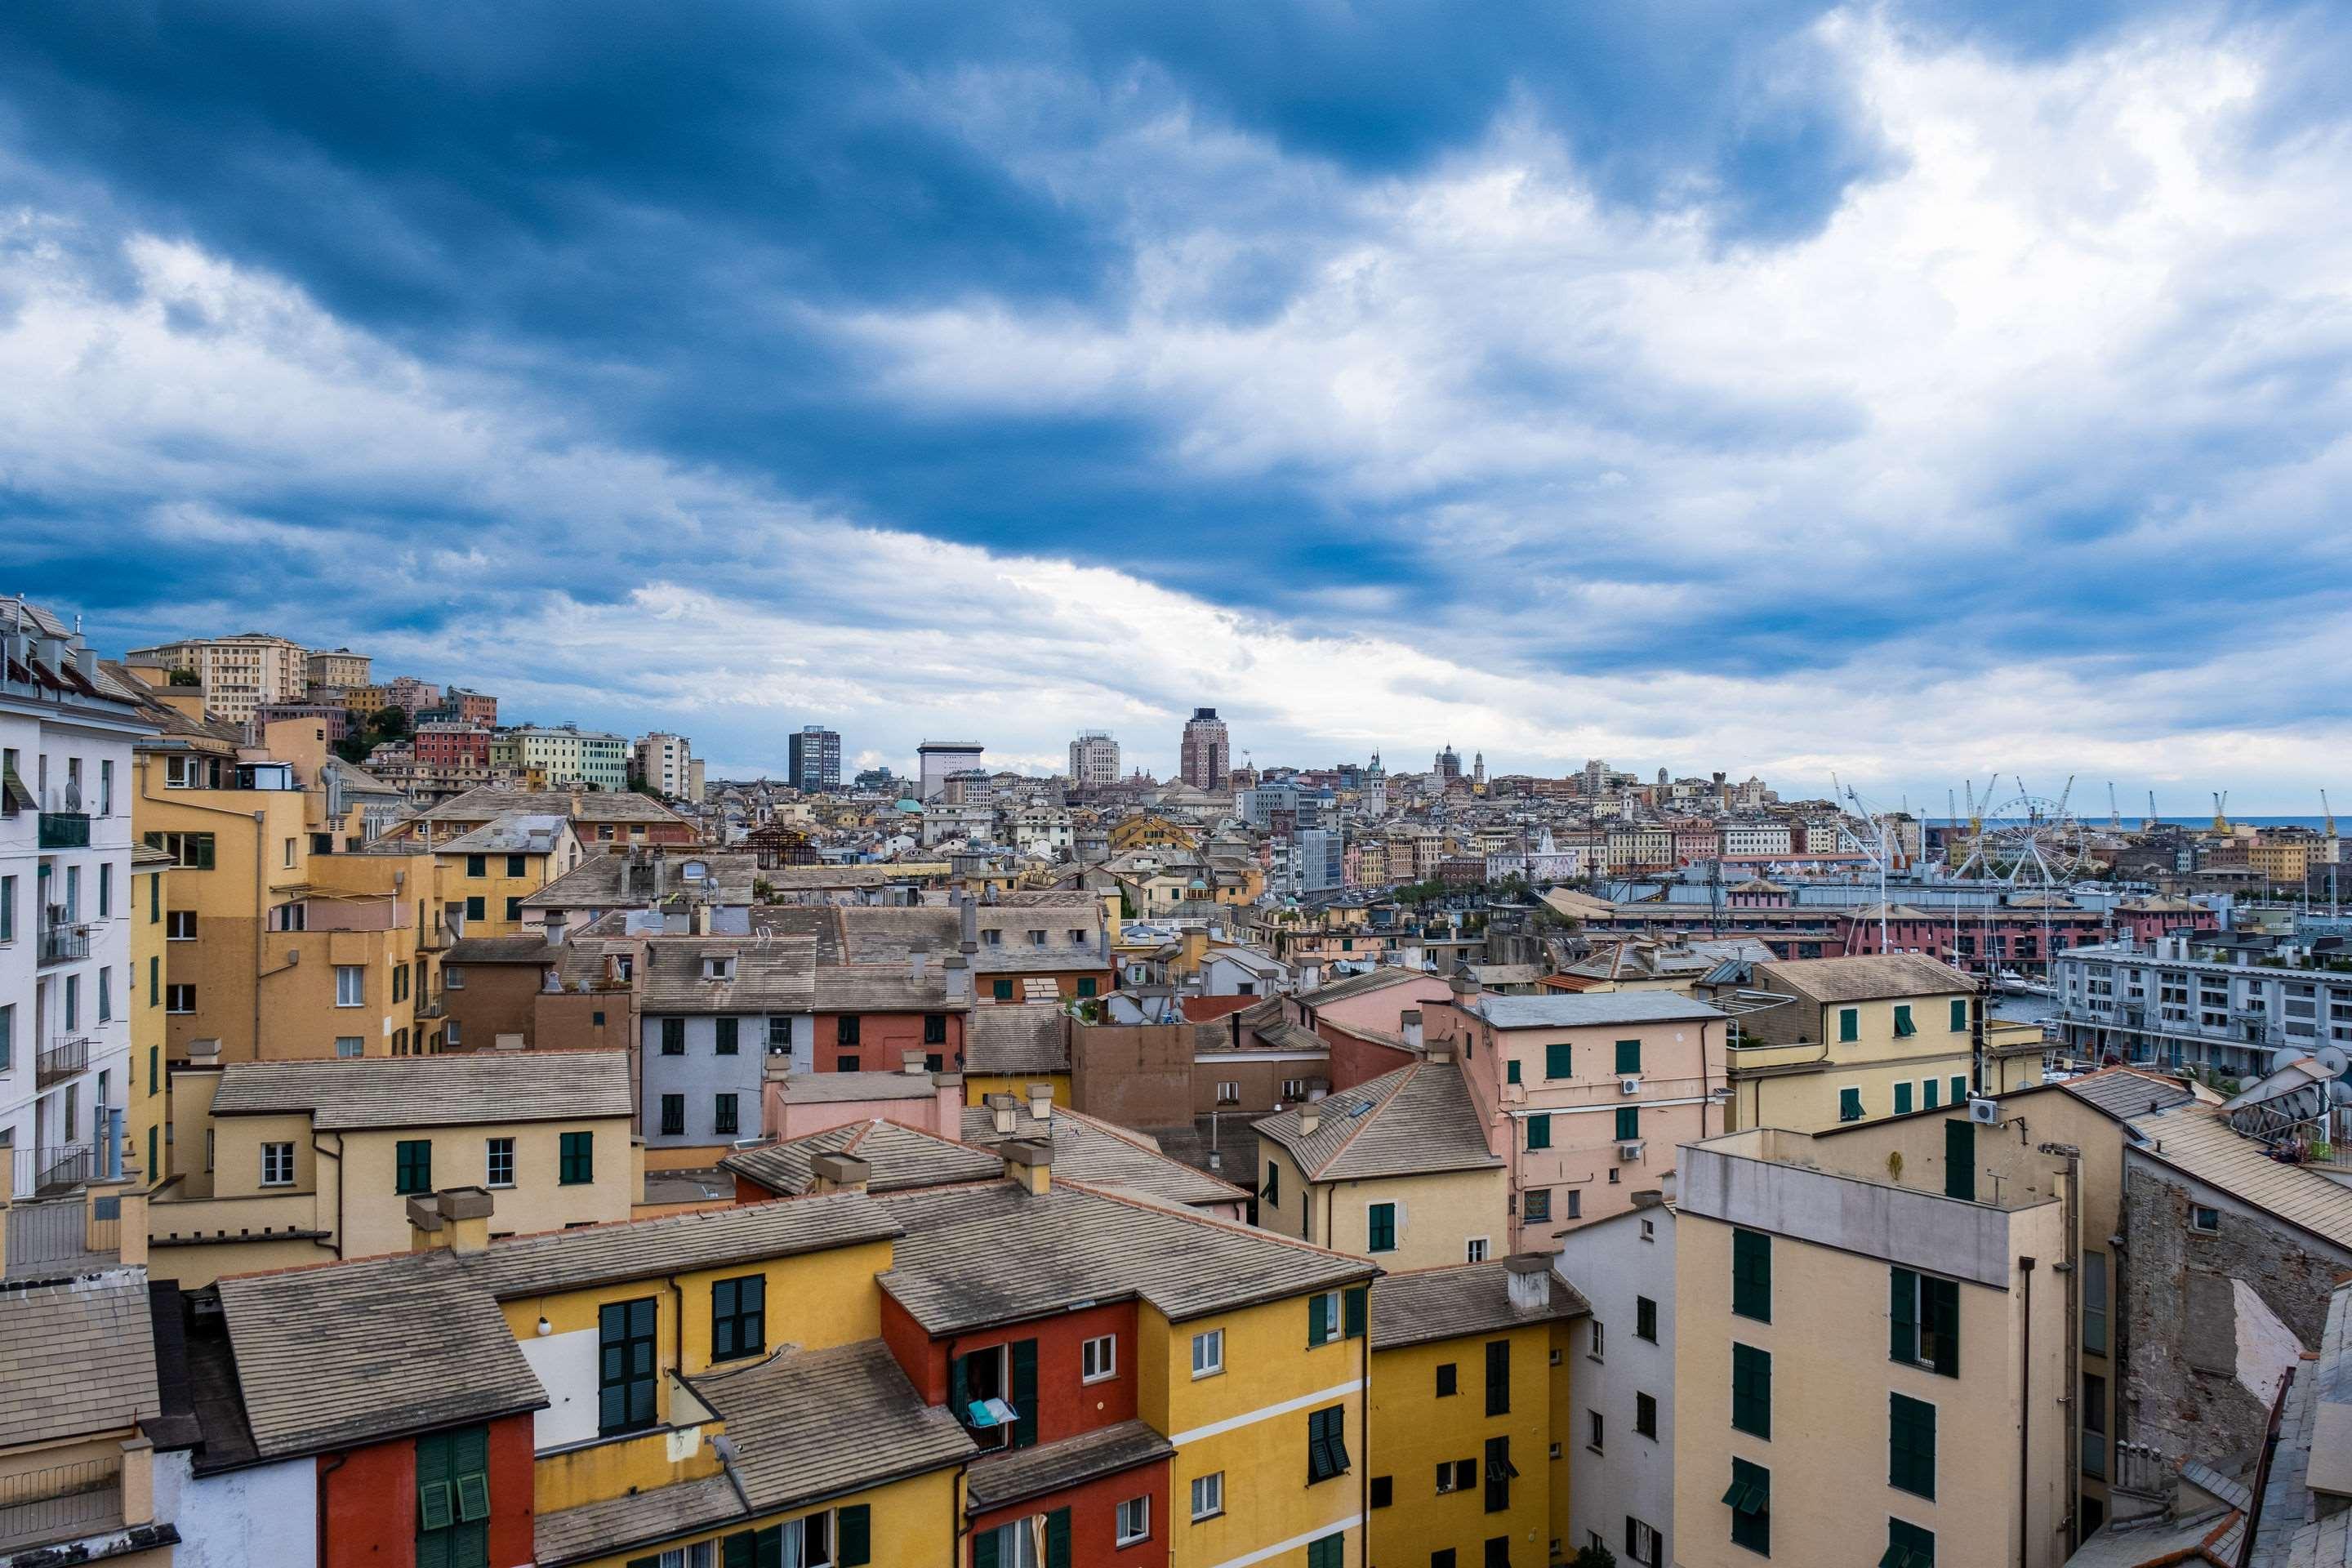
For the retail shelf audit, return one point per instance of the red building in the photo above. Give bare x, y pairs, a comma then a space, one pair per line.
472, 707
369, 1497
451, 746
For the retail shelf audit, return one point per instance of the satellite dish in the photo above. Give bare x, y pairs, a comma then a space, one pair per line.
2332, 1061
2286, 1056
2339, 1092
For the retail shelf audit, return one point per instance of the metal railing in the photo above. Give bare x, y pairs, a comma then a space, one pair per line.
53, 1168
64, 943
68, 1231
62, 1059
65, 830
40, 1508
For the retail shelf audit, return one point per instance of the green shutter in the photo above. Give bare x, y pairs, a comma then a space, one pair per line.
959, 1389
1961, 1160
1940, 1303
856, 1535
768, 1548
1319, 1319
1751, 1390
1959, 1088
1057, 1539
433, 1508
1024, 1394
1629, 1056
1911, 1446
1848, 1024
1903, 1099
1510, 1072
1539, 1131
1902, 1315
1559, 1061
1498, 1377
1849, 1105
1272, 1192
984, 1550
1354, 1301
1381, 1228
737, 1551
1629, 1123
1928, 1091
1751, 1275
1959, 1014
1902, 1020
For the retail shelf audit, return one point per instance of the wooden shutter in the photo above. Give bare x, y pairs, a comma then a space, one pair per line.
1911, 1446
737, 1551
1539, 1131
1354, 1302
1057, 1539
1961, 1160
1902, 1315
1559, 1061
1024, 1394
1318, 1319
1498, 1377
1629, 1055
1941, 1299
854, 1546
1903, 1097
983, 1550
1751, 1390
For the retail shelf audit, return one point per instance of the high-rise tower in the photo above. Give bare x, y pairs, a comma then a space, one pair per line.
1206, 755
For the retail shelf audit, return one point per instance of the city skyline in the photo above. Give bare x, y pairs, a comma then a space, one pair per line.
1896, 392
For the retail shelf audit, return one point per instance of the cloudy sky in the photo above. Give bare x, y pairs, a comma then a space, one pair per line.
1909, 391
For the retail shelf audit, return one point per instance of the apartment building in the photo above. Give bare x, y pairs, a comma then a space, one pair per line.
66, 972
1587, 1095
1094, 758
236, 674
275, 1164
813, 760
662, 763
567, 754
1470, 1422
1620, 1434
2182, 1002
604, 821
498, 865
336, 668
1795, 1258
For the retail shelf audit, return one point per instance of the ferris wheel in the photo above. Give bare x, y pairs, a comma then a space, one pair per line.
2028, 841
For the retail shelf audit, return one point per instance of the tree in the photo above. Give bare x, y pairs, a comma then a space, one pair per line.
1595, 1556
389, 723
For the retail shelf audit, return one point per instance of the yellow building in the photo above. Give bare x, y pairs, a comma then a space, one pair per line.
146, 1120
2280, 859
1871, 1352
1467, 1405
1150, 832
275, 1164
1396, 1170
494, 867
1849, 1039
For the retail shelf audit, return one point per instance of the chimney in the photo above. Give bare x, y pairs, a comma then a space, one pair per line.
840, 1173
955, 976
554, 925
702, 920
947, 1104
1006, 1111
1310, 1119
913, 1064
1041, 1101
458, 1219
1411, 1019
968, 924
1530, 1278
918, 959
1464, 982
1031, 1163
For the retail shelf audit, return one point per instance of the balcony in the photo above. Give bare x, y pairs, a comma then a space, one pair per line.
60, 1504
431, 1007
64, 943
65, 830
61, 1060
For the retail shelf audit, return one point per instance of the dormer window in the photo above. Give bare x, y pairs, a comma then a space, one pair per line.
990, 937
1036, 939
719, 966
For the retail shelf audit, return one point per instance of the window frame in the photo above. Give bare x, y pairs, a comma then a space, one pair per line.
1214, 1485
1125, 1533
270, 1153
1214, 1364
1104, 1362
746, 1323
582, 1155
492, 1150
411, 1166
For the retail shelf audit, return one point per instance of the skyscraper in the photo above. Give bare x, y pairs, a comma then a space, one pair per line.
1206, 755
816, 760
1094, 758
938, 759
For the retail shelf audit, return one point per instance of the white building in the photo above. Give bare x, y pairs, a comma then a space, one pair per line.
1621, 1445
66, 984
1094, 758
939, 759
1743, 839
666, 763
1043, 830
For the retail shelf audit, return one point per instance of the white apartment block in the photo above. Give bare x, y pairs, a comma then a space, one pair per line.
2179, 1002
664, 763
1621, 1439
1741, 839
1094, 758
567, 755
65, 902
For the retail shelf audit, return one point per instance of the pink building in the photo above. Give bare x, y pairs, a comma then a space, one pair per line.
1588, 1094
2145, 919
1361, 1018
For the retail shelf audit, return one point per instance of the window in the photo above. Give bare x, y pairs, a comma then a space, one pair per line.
1209, 1495
1640, 1543
1447, 1384
1036, 939
2095, 1425
498, 1163
2095, 1302
1511, 1072
1596, 1342
1576, 1200
1903, 1099
8, 906
723, 1115
193, 851
1959, 1088
844, 1030
1327, 1444
1331, 1313
1500, 1473
477, 865
1209, 1353
673, 1037
105, 995
1327, 1551
1475, 1250
155, 1083
625, 1373
278, 1164
1751, 1275
1595, 1432
1383, 1489
1001, 990
1645, 1416
1961, 1160
1559, 1061
577, 1161
1270, 1190
935, 1029
739, 1312
478, 908
1751, 1391
1849, 1104
1534, 1205
2205, 1219
514, 909
515, 866
1539, 1131
1911, 1446
399, 982
1903, 1026
1924, 1314
844, 1063
780, 1036
1629, 1123
1134, 1521
1498, 1377
351, 985
411, 1165
673, 1115
1848, 1024
453, 1497
1959, 1014
1456, 1475
1381, 1228
1629, 1057
1229, 1093
1751, 1501
1294, 1088
1908, 1546
105, 890
1645, 1319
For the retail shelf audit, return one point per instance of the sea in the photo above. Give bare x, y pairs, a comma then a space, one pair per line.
2132, 819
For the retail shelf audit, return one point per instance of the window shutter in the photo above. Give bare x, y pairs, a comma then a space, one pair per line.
1629, 1055
1848, 1024
959, 1389
1057, 1539
1538, 1132
1903, 1334
1961, 1160
1849, 1105
1355, 1301
1960, 1088
984, 1550
1959, 1014
1498, 1377
1629, 1123
1751, 1390
1318, 1326
857, 1535
768, 1548
1903, 1099
1024, 1393
1559, 1061
1943, 1297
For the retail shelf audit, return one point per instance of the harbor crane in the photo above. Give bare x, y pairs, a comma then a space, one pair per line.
2220, 811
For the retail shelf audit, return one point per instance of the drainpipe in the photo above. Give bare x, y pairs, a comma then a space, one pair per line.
325, 1491
2025, 1419
2072, 1396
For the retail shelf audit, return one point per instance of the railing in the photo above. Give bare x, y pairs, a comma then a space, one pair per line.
61, 1060
65, 830
64, 1502
64, 943
68, 1232
53, 1168
431, 1007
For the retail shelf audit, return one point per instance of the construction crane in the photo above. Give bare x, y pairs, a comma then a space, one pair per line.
2149, 825
2327, 814
2220, 811
2114, 812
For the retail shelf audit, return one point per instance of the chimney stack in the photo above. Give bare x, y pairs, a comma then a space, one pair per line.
840, 1173
1411, 1019
918, 959
554, 925
1031, 1163
1041, 1101
1004, 1112
968, 924
955, 976
913, 1064
1530, 1278
1310, 1119
458, 1219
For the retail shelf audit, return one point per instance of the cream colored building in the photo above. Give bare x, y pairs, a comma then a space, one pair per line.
237, 674
1396, 1170
1872, 1348
276, 1163
1825, 1041
339, 668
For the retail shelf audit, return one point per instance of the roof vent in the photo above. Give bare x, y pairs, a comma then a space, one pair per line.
1528, 1276
1310, 1119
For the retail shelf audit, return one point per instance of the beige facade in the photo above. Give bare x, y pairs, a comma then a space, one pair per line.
339, 668
1857, 1038
1440, 1219
236, 674
1864, 1362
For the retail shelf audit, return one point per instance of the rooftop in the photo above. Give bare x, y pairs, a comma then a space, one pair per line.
1585, 1008
1017, 1039
431, 1090
1423, 1304
77, 1357
899, 1157
1103, 1153
1865, 978
1416, 1119
512, 833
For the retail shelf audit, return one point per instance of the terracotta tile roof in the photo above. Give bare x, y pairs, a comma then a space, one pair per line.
76, 1357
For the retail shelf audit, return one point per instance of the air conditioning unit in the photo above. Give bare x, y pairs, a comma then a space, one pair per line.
1985, 1112
1629, 1086
1629, 1154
